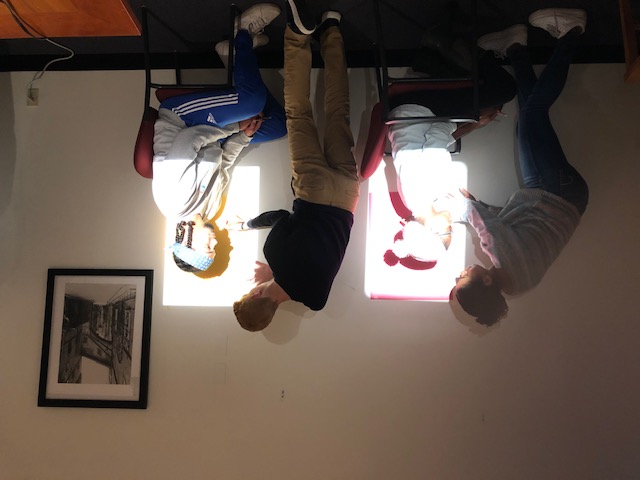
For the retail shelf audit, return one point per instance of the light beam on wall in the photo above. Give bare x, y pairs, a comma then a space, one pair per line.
397, 282
236, 252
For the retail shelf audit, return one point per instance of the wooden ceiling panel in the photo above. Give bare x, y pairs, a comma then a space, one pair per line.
71, 18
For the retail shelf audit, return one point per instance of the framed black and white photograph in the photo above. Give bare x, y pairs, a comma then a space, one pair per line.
95, 347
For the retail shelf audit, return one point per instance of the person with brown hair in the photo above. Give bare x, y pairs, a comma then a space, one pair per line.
305, 249
524, 237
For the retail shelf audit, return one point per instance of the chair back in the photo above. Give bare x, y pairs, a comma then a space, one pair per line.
143, 150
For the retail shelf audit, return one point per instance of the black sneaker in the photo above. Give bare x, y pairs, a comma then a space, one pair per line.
329, 19
299, 18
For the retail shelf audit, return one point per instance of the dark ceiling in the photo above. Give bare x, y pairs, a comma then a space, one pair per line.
206, 22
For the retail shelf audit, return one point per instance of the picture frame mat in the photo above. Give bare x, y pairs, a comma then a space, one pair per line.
57, 390
98, 286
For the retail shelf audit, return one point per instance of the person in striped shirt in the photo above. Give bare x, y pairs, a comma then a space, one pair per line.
523, 238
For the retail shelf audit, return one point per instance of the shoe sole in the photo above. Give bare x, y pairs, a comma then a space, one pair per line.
267, 11
298, 20
539, 17
331, 15
222, 48
577, 13
500, 36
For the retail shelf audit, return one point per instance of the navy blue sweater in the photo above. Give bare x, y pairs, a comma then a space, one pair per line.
305, 248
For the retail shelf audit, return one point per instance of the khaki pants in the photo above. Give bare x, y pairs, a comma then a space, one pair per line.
329, 178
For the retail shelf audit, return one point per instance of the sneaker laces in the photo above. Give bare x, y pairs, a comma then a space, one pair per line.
553, 27
257, 27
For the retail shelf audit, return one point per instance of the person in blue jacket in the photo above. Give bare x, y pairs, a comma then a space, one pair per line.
198, 138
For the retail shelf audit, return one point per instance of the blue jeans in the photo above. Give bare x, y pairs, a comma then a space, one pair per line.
247, 98
542, 161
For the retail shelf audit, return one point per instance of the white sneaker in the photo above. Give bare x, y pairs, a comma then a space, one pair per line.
255, 18
559, 21
499, 42
222, 48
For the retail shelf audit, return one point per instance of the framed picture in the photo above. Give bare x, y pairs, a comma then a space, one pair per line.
95, 346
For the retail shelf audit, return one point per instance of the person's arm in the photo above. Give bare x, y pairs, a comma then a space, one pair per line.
495, 232
460, 203
262, 273
236, 142
165, 131
275, 123
232, 148
191, 140
486, 117
465, 129
241, 136
265, 220
222, 159
191, 177
493, 209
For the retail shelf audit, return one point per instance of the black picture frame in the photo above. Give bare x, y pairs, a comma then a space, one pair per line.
95, 344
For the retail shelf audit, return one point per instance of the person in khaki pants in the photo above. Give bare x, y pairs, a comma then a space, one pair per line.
304, 249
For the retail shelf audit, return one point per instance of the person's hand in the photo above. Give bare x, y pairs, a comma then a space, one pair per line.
454, 203
489, 116
466, 194
243, 124
262, 273
235, 225
251, 125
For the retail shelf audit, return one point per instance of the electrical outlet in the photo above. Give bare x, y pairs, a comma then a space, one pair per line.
32, 97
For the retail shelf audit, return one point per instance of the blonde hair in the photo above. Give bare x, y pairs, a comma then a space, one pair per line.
254, 313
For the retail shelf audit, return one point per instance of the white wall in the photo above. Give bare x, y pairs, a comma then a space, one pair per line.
373, 389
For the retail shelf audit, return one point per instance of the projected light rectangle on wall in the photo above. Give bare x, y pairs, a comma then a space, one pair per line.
397, 282
236, 252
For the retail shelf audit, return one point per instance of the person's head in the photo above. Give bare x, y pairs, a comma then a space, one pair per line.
256, 309
204, 237
194, 247
417, 242
479, 295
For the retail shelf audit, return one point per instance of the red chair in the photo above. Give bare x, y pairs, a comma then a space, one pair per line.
375, 147
143, 150
389, 87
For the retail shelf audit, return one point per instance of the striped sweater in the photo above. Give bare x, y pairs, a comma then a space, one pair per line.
526, 235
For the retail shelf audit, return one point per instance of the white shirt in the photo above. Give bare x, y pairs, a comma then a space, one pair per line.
421, 158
